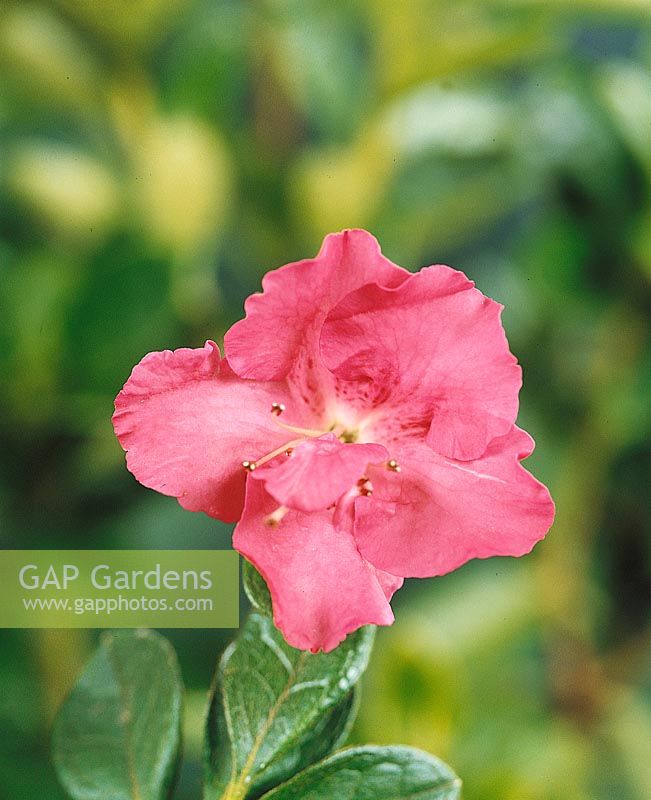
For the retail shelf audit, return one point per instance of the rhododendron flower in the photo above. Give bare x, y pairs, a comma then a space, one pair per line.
360, 429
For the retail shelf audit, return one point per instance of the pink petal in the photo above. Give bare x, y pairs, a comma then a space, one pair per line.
344, 519
432, 353
436, 514
187, 423
321, 588
319, 472
389, 583
282, 324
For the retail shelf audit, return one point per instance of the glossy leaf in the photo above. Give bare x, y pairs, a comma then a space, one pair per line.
117, 736
275, 709
373, 773
329, 733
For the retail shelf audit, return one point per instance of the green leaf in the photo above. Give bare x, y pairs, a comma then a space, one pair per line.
373, 773
334, 727
117, 736
275, 709
329, 733
256, 588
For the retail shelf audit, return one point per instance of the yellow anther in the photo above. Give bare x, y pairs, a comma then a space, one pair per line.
249, 466
393, 465
277, 408
275, 518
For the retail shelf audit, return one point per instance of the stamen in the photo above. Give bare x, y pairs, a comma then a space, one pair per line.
393, 465
365, 487
308, 432
287, 448
282, 449
275, 518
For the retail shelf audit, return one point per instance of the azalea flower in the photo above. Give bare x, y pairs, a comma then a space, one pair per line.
360, 429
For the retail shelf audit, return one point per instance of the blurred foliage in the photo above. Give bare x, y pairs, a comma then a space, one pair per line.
156, 158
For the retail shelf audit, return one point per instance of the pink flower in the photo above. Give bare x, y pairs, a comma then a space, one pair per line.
361, 428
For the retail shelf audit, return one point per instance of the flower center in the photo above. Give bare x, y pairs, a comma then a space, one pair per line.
349, 437
345, 435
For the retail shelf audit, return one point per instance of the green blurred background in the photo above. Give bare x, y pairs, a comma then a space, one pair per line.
157, 157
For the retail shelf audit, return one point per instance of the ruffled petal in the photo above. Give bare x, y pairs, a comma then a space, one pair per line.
318, 472
282, 324
321, 588
430, 357
187, 422
436, 514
